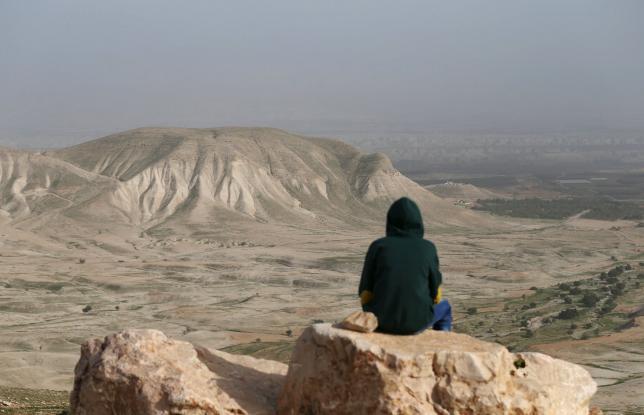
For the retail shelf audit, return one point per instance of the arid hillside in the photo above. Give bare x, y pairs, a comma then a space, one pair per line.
159, 178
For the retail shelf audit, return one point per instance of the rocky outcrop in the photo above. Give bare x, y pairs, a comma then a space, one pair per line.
335, 371
332, 371
144, 372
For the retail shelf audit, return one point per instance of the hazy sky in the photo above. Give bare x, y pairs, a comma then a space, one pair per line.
72, 70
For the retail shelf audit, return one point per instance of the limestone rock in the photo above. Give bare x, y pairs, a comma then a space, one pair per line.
361, 321
335, 371
144, 372
253, 383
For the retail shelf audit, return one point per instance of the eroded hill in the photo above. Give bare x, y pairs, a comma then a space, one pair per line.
175, 177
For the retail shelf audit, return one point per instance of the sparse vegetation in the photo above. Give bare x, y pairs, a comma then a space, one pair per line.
33, 401
55, 287
113, 287
598, 208
584, 308
589, 299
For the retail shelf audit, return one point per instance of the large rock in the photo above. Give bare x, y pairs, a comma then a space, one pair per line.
335, 371
144, 372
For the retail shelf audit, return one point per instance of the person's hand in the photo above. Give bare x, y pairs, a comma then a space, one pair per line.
365, 297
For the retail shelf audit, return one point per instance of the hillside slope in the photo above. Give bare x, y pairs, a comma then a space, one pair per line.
34, 184
152, 176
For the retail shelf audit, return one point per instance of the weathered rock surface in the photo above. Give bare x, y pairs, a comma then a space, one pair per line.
335, 371
332, 371
360, 321
144, 372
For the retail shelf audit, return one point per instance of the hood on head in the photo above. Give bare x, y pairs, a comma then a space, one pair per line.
404, 219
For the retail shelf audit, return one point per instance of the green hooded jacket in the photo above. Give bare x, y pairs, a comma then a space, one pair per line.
402, 273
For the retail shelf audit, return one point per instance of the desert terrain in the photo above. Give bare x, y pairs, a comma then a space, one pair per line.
238, 239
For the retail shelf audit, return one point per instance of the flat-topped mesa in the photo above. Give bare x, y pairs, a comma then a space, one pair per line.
335, 371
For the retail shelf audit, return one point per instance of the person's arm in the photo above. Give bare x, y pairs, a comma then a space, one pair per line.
439, 295
365, 289
435, 279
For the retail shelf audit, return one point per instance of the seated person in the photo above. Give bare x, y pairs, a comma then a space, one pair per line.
401, 281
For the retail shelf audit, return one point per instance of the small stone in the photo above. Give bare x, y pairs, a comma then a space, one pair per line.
361, 321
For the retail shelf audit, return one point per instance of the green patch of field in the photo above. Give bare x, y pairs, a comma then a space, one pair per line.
579, 310
18, 401
597, 208
35, 285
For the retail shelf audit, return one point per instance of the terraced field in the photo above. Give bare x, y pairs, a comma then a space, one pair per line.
18, 401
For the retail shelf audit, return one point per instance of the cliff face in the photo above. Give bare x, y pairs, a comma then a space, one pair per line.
332, 371
32, 184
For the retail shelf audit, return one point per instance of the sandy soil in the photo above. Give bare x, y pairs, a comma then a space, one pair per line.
226, 292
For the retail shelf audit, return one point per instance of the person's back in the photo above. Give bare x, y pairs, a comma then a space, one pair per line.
401, 278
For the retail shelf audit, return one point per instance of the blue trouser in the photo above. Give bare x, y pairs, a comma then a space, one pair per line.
442, 317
